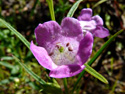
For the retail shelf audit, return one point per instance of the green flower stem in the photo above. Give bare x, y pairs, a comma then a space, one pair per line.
65, 85
51, 9
96, 56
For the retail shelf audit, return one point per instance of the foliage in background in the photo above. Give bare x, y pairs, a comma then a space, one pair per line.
25, 16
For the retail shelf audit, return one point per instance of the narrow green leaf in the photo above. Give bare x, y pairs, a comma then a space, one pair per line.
114, 87
6, 64
73, 8
15, 32
36, 77
103, 47
51, 8
49, 88
98, 3
95, 73
6, 58
96, 56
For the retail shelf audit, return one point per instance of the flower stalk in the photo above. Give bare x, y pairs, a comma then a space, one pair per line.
65, 85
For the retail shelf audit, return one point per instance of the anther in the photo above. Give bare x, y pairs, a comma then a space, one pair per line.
70, 49
67, 44
58, 46
51, 54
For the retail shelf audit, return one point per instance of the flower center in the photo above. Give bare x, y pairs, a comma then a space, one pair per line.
64, 53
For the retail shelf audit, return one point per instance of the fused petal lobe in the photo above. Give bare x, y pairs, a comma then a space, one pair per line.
66, 71
85, 14
85, 47
98, 20
88, 25
71, 27
42, 56
100, 32
47, 33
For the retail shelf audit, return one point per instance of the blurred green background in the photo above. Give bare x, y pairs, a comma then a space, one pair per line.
25, 15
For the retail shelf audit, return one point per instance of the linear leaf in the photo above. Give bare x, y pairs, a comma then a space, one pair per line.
6, 58
36, 77
51, 8
73, 8
15, 32
6, 64
103, 47
49, 88
95, 73
98, 3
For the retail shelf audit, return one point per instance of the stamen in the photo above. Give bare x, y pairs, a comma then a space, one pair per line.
67, 44
64, 53
70, 49
58, 46
51, 54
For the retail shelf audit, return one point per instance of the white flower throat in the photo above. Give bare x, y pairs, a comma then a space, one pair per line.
64, 53
88, 25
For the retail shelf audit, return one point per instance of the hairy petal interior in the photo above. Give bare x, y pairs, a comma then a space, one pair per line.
65, 51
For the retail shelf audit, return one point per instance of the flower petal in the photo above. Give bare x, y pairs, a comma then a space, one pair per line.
71, 27
100, 32
85, 48
47, 33
85, 14
66, 71
42, 56
98, 20
88, 25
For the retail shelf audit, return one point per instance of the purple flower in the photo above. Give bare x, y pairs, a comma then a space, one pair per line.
62, 49
93, 24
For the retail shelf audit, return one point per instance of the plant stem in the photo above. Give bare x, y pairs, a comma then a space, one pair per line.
65, 85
